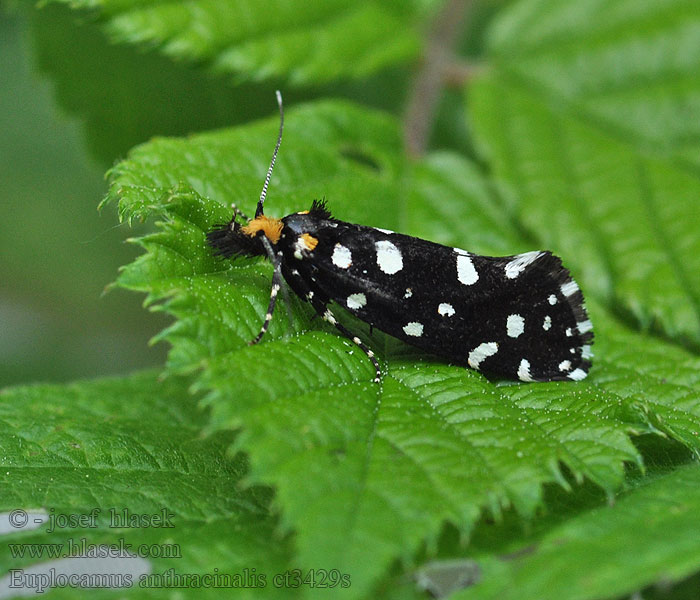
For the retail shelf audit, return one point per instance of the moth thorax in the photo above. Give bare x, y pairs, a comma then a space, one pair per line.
272, 228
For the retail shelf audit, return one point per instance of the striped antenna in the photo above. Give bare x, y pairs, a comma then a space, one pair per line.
259, 209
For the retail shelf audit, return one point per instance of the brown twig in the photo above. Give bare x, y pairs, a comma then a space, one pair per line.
456, 74
438, 63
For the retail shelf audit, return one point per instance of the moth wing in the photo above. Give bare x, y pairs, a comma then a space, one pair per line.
514, 316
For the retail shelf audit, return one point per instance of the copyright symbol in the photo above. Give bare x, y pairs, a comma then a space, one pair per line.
18, 518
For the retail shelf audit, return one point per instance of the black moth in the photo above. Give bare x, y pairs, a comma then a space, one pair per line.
516, 316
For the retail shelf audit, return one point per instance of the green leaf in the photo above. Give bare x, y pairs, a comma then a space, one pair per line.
135, 444
650, 535
173, 97
303, 43
657, 380
628, 67
589, 117
382, 466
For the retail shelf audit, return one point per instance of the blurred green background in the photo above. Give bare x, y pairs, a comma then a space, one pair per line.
57, 252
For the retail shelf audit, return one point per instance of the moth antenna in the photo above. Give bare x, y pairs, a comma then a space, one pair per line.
259, 209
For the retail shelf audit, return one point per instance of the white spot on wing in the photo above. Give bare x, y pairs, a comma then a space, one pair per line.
547, 325
577, 374
481, 352
552, 299
518, 264
586, 351
342, 257
389, 257
515, 325
409, 293
466, 273
356, 301
387, 231
446, 310
565, 365
301, 247
569, 288
413, 328
585, 326
524, 371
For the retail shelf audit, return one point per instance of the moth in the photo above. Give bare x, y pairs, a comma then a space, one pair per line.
518, 317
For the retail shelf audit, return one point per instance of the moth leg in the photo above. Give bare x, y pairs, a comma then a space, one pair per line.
277, 282
285, 292
237, 212
328, 316
319, 301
